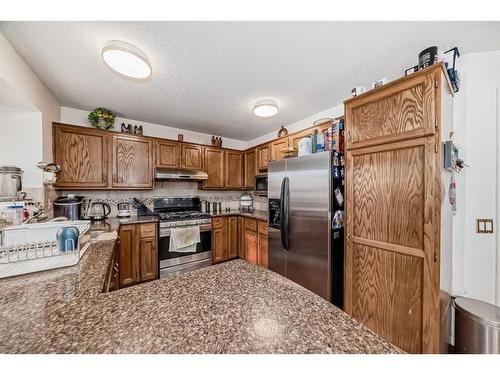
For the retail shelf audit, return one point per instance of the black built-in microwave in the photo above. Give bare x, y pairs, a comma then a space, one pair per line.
261, 184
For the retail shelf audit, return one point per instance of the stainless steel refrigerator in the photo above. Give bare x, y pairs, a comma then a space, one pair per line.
300, 192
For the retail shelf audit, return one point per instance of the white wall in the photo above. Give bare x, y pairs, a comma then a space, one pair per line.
476, 258
79, 117
20, 143
16, 73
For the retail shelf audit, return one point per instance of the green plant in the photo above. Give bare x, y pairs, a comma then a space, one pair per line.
107, 118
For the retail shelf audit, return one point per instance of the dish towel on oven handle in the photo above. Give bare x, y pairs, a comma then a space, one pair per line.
184, 240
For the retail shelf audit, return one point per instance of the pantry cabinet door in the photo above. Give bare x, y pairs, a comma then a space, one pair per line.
132, 162
391, 262
234, 169
403, 110
83, 157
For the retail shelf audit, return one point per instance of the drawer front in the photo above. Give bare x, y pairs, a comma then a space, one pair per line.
251, 224
262, 227
217, 222
148, 230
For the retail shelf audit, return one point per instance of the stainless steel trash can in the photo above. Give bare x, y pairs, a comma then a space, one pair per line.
477, 326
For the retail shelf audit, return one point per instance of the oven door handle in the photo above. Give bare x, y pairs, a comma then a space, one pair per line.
165, 232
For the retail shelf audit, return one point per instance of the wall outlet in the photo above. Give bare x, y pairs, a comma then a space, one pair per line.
484, 225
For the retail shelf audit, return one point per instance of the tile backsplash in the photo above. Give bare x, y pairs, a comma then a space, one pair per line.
229, 199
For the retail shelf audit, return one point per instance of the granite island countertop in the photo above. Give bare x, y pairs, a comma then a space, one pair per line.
233, 307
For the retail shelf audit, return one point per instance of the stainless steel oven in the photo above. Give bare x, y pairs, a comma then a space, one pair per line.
178, 212
172, 262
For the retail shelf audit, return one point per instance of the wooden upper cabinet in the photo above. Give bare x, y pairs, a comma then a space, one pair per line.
132, 162
249, 168
401, 110
168, 154
277, 146
191, 156
214, 166
263, 156
294, 139
83, 157
233, 169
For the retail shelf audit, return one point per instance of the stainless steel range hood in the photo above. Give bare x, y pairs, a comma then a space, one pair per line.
178, 174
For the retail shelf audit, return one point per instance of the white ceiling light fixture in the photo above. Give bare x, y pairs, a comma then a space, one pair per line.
127, 60
265, 108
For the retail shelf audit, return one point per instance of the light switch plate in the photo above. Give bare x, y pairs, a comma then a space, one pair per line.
484, 225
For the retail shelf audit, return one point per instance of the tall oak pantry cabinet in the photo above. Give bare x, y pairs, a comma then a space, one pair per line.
398, 220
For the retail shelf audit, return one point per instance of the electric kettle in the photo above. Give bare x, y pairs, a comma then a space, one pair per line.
99, 210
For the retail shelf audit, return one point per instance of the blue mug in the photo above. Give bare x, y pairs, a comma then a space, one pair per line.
67, 238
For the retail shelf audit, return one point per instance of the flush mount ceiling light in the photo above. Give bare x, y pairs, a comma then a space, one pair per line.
265, 108
126, 59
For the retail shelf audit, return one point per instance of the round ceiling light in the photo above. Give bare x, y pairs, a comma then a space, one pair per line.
126, 59
265, 108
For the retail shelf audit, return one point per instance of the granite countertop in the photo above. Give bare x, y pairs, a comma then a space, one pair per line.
257, 214
233, 307
111, 224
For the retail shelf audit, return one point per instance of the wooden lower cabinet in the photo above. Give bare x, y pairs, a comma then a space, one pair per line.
138, 254
224, 238
232, 237
239, 237
255, 242
218, 239
251, 246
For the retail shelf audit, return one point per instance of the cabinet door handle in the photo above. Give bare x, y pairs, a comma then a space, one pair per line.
348, 235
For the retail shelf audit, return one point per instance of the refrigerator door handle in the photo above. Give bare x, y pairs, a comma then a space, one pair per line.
284, 212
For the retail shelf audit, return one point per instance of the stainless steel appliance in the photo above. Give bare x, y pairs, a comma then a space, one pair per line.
179, 212
246, 203
179, 174
123, 209
477, 326
261, 182
99, 210
300, 219
11, 182
69, 206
